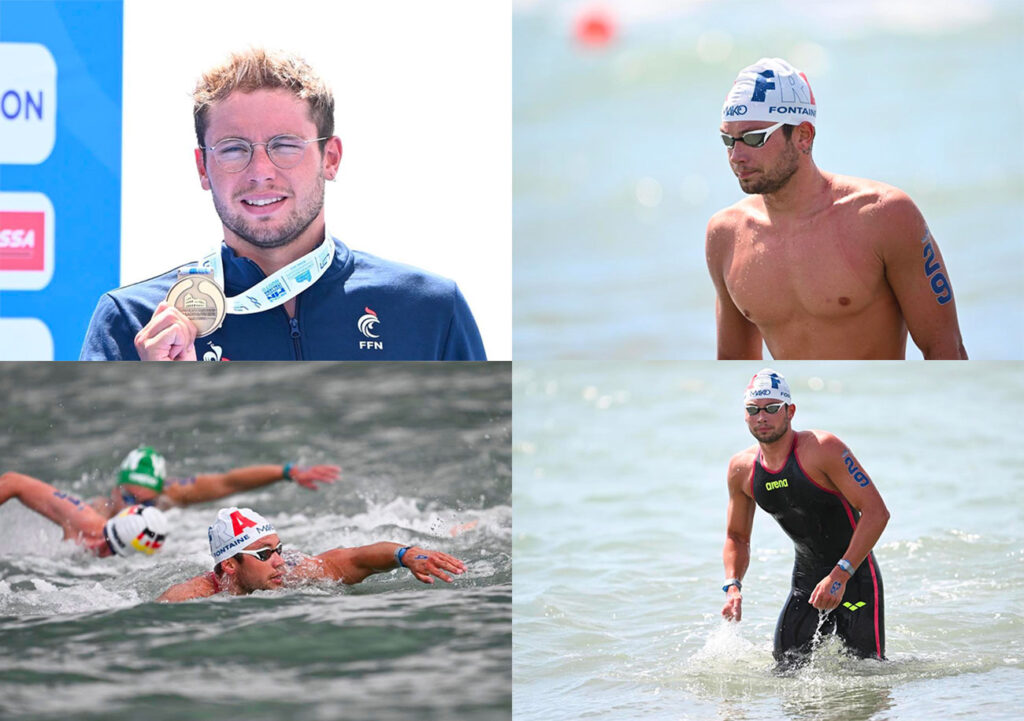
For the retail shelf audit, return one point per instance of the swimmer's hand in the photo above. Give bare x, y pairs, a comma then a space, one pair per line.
423, 564
169, 336
829, 592
309, 477
733, 608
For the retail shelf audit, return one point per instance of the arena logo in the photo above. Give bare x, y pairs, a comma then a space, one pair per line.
28, 103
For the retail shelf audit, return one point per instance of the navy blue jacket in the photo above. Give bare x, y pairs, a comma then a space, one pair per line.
420, 316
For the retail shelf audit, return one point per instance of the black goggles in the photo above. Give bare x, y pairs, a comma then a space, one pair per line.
771, 409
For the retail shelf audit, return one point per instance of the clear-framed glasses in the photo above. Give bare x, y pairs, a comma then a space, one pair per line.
264, 554
235, 154
771, 409
753, 138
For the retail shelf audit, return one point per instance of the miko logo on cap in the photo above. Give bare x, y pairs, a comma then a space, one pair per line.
770, 90
768, 384
366, 325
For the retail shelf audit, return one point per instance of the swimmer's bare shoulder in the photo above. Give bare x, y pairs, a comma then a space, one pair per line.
741, 466
737, 336
894, 227
725, 226
198, 587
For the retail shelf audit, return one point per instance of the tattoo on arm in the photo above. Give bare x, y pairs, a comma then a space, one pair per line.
77, 502
933, 271
835, 587
855, 471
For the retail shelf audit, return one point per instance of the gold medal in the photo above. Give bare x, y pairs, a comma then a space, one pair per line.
200, 300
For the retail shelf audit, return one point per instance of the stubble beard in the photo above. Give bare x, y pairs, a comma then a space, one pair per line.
772, 182
768, 440
294, 225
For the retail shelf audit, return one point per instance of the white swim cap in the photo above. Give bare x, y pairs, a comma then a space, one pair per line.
767, 385
136, 528
234, 529
770, 90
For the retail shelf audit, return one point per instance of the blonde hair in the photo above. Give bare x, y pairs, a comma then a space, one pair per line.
259, 69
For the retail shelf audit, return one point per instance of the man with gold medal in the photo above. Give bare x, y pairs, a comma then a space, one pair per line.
264, 123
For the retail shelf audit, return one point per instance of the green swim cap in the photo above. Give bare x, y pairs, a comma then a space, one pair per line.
143, 467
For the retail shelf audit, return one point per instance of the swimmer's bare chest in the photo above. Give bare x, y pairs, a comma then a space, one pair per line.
821, 271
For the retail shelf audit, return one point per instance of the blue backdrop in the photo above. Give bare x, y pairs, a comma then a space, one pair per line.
81, 177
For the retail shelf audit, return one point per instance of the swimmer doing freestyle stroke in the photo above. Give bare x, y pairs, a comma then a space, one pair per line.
249, 556
130, 518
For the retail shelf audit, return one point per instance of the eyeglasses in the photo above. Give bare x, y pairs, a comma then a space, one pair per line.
771, 409
284, 151
264, 554
753, 138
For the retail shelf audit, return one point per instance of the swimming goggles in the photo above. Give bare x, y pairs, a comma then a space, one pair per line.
753, 138
131, 500
771, 409
264, 554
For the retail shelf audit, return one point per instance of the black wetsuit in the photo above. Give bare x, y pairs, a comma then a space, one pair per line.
821, 523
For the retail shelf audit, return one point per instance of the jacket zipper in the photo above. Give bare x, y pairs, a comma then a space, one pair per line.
294, 325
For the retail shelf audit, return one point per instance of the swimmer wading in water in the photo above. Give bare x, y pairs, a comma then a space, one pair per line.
819, 493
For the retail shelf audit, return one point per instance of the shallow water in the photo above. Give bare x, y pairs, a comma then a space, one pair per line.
426, 459
620, 500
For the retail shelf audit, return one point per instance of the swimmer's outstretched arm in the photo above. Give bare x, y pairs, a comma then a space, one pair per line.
211, 486
79, 520
352, 565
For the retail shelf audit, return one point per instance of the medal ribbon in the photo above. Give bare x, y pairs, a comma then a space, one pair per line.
280, 287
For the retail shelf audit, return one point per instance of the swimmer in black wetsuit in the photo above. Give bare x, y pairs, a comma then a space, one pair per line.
824, 500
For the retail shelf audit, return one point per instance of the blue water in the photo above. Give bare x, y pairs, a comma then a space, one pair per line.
425, 452
618, 166
620, 502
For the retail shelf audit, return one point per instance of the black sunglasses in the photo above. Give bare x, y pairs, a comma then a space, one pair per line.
771, 409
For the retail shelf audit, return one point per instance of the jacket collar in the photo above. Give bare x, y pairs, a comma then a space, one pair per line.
241, 273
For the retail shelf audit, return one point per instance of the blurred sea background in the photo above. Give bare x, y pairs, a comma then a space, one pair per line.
425, 451
620, 501
618, 165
